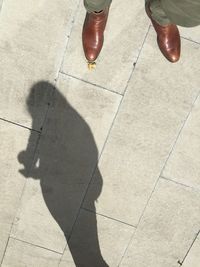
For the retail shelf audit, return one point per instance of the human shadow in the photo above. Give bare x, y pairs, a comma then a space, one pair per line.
64, 163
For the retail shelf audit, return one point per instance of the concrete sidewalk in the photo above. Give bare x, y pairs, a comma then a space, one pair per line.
97, 168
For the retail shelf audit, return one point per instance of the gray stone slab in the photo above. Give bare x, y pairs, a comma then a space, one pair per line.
32, 42
34, 223
20, 254
167, 228
158, 99
125, 32
191, 33
13, 139
193, 257
96, 241
76, 128
183, 164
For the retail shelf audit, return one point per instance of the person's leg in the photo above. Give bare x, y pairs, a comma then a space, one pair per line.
1, 3
157, 12
93, 28
185, 13
96, 5
168, 37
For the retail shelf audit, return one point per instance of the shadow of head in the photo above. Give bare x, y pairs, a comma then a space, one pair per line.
37, 103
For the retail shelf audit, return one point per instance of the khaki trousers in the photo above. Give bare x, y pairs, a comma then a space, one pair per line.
185, 13
1, 2
96, 5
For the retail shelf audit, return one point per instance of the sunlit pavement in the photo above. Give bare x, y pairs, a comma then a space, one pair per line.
97, 168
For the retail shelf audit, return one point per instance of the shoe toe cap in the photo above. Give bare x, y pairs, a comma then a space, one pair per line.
174, 56
91, 55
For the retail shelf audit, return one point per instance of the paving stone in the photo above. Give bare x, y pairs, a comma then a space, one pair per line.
98, 246
20, 254
183, 164
76, 128
167, 228
13, 139
158, 99
34, 223
32, 42
193, 257
123, 40
190, 33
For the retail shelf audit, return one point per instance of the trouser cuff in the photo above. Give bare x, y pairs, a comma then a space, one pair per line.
96, 5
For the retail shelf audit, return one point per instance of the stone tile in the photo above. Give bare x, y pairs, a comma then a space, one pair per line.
167, 229
98, 246
76, 128
125, 32
193, 257
190, 33
13, 139
32, 42
22, 254
34, 223
158, 99
183, 164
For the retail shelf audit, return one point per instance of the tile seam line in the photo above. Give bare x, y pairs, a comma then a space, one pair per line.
87, 82
4, 253
106, 140
178, 183
179, 132
108, 217
190, 40
34, 245
73, 18
173, 146
20, 125
188, 251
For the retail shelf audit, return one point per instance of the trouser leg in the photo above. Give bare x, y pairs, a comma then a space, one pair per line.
185, 13
1, 2
168, 37
96, 5
158, 14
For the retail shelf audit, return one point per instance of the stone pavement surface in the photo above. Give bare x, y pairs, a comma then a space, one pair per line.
97, 168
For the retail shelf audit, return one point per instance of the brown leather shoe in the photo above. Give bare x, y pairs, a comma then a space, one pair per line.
93, 33
168, 38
